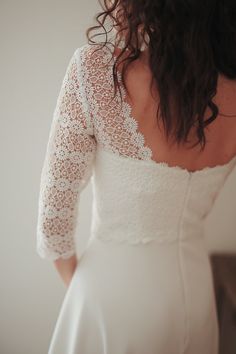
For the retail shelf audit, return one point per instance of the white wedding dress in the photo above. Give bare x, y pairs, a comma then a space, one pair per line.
144, 283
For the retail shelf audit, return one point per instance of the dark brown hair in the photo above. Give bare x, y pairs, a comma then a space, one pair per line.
191, 42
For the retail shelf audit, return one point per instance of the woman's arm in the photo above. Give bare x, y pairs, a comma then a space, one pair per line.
66, 171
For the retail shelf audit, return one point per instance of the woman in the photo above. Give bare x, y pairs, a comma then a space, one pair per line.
158, 153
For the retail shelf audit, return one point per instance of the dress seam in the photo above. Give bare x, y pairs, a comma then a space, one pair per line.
186, 338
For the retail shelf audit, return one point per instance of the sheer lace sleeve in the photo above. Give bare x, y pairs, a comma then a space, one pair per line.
67, 166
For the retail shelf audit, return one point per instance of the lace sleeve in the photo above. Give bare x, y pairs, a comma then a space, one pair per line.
67, 166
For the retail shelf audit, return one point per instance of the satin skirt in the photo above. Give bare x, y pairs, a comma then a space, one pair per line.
153, 298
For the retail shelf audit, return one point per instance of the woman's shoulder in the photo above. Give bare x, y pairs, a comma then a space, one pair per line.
225, 96
93, 54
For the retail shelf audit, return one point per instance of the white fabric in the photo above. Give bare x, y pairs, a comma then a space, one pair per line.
144, 283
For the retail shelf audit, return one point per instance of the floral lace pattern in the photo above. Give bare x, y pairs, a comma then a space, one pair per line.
85, 118
67, 166
114, 126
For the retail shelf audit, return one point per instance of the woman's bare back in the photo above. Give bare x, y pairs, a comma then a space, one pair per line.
220, 135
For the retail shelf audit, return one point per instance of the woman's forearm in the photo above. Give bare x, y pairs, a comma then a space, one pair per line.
66, 268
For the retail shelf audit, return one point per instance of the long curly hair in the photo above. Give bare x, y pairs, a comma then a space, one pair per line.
190, 43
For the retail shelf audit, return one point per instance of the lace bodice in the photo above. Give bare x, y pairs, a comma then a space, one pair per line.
86, 121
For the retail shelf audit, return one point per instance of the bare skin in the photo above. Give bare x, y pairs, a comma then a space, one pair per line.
221, 134
66, 268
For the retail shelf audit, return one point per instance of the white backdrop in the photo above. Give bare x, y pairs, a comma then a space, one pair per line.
37, 41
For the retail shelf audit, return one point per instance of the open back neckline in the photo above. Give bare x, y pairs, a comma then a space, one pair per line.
151, 161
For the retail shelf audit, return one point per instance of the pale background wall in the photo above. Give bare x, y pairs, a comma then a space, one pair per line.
37, 40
